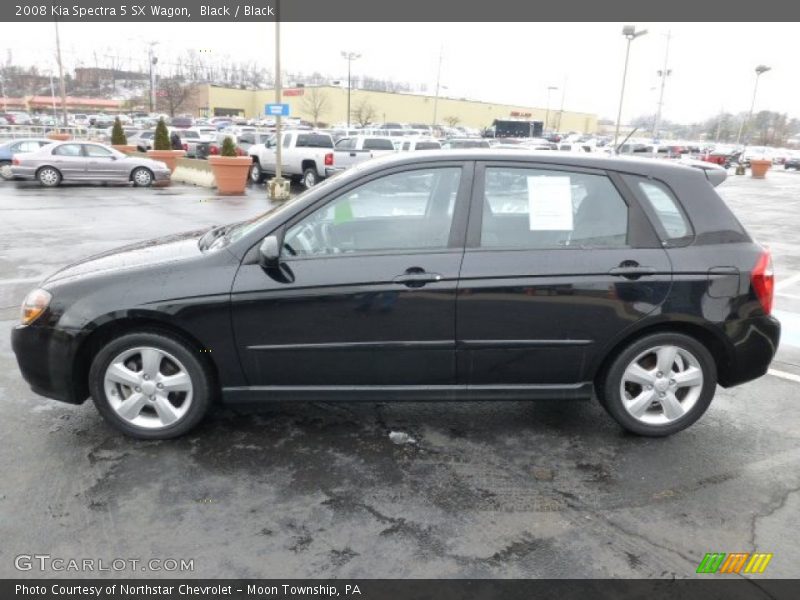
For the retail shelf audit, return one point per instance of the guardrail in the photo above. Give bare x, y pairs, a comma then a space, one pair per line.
12, 132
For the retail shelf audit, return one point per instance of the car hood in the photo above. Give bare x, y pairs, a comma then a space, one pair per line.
144, 162
169, 249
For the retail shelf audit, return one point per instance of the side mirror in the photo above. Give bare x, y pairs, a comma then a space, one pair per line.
269, 252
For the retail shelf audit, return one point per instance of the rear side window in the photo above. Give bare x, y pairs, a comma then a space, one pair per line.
428, 146
378, 144
311, 140
666, 209
538, 209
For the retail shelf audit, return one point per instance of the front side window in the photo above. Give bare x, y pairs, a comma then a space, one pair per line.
537, 209
97, 151
407, 211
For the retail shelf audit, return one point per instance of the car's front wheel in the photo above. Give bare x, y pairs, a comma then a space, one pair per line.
150, 385
48, 176
659, 384
142, 177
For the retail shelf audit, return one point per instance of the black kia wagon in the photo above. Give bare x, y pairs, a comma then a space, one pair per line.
462, 275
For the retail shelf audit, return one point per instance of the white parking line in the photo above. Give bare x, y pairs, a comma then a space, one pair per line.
784, 375
784, 283
791, 296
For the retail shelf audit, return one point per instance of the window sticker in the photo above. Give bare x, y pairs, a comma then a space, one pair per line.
549, 203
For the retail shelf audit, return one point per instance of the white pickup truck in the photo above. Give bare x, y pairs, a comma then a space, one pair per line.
349, 151
305, 155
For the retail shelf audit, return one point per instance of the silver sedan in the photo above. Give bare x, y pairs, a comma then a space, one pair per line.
77, 162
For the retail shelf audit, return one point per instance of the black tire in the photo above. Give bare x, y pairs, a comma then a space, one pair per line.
142, 177
310, 178
257, 176
49, 176
201, 381
5, 170
609, 384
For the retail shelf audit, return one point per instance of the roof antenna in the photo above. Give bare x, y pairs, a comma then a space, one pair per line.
616, 150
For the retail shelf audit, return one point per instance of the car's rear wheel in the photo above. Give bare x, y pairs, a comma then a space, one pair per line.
5, 170
150, 385
310, 178
256, 174
48, 176
142, 177
659, 384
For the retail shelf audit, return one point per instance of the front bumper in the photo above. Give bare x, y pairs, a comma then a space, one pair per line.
162, 175
46, 358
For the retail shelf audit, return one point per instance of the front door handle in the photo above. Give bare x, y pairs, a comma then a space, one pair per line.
415, 277
632, 271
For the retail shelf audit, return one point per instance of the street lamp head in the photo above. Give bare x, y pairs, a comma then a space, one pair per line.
762, 69
629, 31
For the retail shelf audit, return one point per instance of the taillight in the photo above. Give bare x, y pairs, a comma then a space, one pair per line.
763, 280
15, 161
329, 159
213, 150
186, 147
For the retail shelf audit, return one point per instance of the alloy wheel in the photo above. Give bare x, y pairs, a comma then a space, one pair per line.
148, 387
142, 177
48, 176
661, 384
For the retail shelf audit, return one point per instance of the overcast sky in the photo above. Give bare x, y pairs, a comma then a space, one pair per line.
712, 63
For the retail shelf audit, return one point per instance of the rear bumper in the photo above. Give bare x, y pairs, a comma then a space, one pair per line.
755, 342
45, 357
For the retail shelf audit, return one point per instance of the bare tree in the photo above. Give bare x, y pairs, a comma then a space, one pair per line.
363, 113
452, 121
315, 103
173, 94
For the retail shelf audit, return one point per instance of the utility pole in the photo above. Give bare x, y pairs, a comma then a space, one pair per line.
53, 99
438, 86
62, 83
3, 92
663, 74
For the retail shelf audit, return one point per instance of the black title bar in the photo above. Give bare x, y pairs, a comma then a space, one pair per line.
398, 10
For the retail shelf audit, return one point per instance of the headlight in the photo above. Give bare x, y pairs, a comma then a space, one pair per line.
34, 305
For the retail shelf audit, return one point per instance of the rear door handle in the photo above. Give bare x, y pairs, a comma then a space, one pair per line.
632, 271
416, 278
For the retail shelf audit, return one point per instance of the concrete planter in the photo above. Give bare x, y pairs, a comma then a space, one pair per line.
759, 168
59, 137
168, 157
230, 173
125, 148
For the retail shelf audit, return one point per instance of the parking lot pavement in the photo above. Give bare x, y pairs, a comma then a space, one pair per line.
507, 489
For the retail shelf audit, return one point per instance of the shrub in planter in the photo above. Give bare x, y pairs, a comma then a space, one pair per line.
230, 169
119, 141
162, 149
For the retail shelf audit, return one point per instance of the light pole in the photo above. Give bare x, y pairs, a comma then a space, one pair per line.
62, 84
760, 70
547, 109
53, 99
278, 187
152, 61
438, 87
561, 109
3, 92
663, 74
349, 57
630, 33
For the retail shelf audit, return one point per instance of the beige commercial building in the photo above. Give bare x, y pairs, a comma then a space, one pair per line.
331, 103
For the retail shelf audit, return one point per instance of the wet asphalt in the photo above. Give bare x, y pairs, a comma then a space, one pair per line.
477, 489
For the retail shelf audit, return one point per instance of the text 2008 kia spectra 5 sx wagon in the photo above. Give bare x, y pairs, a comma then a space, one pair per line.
435, 276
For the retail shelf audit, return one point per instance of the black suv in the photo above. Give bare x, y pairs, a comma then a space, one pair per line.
477, 274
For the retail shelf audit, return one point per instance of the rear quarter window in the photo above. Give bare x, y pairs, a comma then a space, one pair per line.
671, 221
